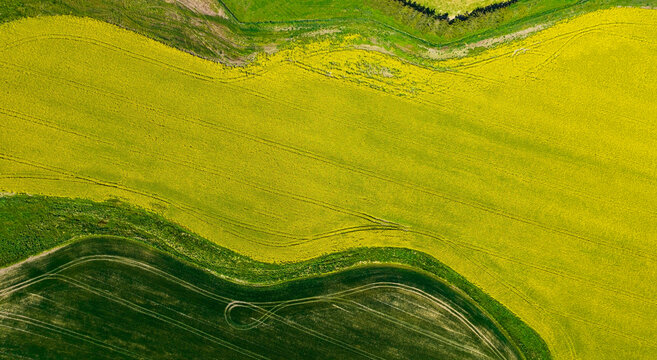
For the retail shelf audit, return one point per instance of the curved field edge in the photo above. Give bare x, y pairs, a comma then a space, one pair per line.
31, 225
598, 286
112, 280
216, 32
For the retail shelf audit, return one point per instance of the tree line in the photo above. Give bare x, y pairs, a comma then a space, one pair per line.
461, 17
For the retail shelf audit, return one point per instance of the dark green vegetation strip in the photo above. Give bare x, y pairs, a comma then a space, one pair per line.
248, 27
107, 297
33, 224
480, 11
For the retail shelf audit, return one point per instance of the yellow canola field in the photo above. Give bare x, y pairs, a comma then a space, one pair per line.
531, 168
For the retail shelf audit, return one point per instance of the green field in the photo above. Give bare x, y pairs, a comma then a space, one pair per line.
528, 168
253, 11
73, 283
117, 299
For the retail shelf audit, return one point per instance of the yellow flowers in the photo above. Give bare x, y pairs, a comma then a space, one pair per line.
529, 168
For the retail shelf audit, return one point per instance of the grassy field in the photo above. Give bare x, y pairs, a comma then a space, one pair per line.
111, 298
264, 10
529, 169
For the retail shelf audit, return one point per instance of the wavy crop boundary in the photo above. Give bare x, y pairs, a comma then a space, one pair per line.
236, 41
62, 221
